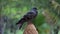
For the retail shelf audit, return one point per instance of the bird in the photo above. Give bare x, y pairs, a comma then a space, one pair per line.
29, 16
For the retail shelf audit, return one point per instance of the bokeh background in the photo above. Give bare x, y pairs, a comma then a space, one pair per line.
47, 21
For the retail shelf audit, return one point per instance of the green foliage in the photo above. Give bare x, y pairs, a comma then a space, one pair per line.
58, 1
39, 20
15, 9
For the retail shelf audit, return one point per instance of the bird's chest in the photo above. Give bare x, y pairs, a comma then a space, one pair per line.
32, 15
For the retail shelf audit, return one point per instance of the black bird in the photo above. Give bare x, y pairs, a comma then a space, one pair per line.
28, 17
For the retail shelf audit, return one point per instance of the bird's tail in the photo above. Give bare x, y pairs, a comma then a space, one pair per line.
20, 22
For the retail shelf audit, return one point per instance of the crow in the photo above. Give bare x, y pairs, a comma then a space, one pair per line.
28, 17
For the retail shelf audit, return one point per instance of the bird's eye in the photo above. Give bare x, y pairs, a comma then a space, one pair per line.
35, 8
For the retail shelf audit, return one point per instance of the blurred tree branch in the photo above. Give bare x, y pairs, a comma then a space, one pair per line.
51, 19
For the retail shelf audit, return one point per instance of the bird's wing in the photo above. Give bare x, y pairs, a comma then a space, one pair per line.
29, 15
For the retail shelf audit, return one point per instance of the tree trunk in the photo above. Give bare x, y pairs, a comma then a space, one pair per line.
30, 29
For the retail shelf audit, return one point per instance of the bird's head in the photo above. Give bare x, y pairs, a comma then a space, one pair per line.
34, 8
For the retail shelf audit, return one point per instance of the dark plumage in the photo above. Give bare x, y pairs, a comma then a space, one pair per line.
28, 17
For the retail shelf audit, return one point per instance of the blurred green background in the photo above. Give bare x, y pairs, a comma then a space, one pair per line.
11, 11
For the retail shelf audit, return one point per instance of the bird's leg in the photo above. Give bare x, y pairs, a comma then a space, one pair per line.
29, 22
